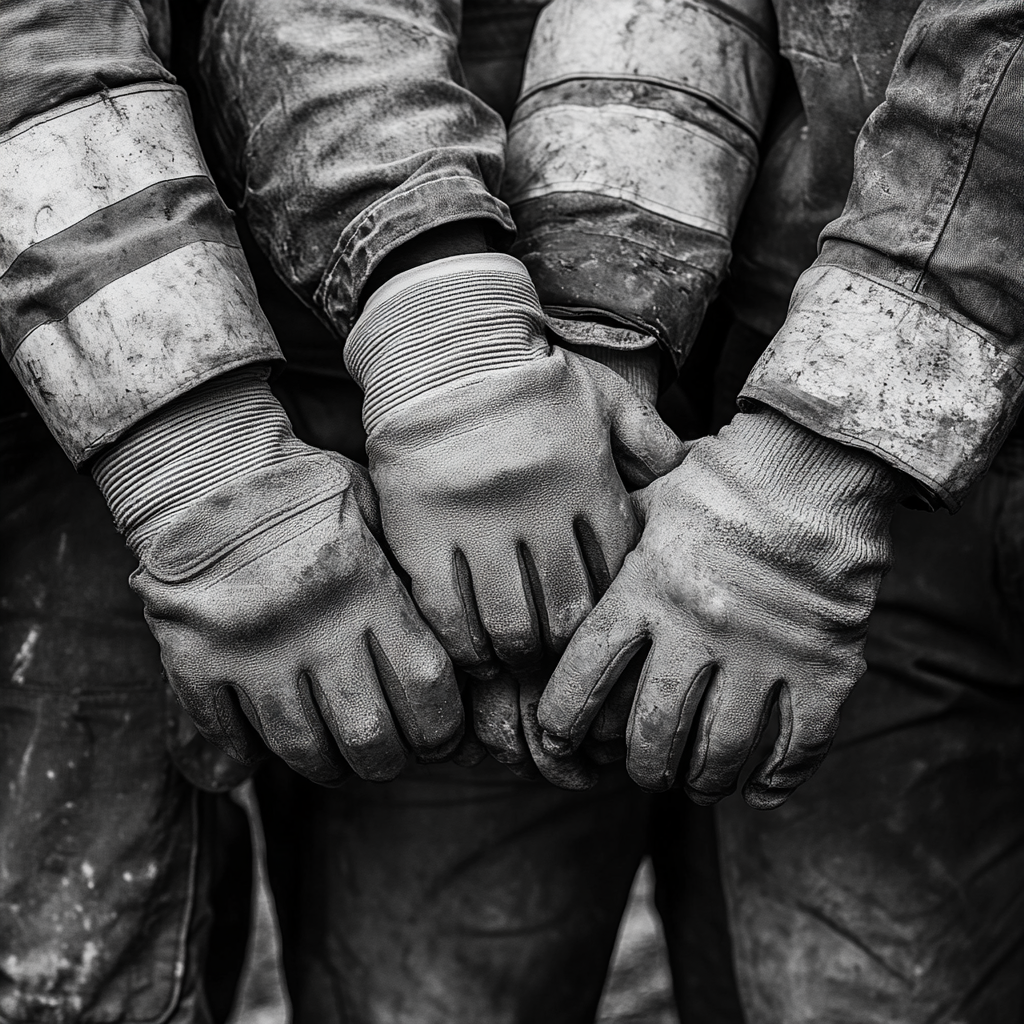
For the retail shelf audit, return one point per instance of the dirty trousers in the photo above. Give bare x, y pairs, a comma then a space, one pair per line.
888, 888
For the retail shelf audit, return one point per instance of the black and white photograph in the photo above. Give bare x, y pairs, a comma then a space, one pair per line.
511, 512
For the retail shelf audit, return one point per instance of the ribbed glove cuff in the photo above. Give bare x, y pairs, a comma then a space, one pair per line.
442, 324
781, 456
639, 367
217, 433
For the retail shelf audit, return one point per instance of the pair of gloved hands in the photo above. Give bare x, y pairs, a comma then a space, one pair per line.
501, 467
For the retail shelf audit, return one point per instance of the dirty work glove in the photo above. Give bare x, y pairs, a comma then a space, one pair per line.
504, 720
759, 563
501, 465
279, 619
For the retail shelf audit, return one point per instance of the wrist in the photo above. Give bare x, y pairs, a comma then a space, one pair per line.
784, 457
442, 324
639, 368
224, 429
459, 238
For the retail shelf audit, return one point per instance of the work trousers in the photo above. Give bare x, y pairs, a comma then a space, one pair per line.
447, 895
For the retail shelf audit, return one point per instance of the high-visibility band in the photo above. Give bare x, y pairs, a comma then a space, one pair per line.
53, 276
141, 342
694, 46
867, 363
649, 158
123, 285
74, 161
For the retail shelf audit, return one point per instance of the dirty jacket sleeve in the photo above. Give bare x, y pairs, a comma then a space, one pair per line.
632, 149
347, 129
905, 338
122, 284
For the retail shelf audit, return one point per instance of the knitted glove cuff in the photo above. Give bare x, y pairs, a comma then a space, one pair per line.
639, 368
780, 456
441, 324
222, 430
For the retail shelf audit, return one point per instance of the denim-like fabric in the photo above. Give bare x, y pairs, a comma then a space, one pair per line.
347, 129
57, 50
904, 336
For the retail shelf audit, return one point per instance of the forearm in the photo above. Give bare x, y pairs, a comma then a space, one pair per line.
122, 286
633, 147
904, 338
352, 134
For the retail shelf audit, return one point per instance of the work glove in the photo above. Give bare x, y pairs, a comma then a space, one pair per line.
758, 566
280, 621
501, 464
504, 721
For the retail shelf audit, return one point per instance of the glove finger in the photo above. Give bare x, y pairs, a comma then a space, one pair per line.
417, 678
352, 704
287, 718
573, 772
525, 770
605, 537
604, 751
666, 702
644, 446
590, 666
555, 576
806, 731
470, 751
506, 613
611, 721
732, 716
203, 763
215, 710
444, 594
496, 719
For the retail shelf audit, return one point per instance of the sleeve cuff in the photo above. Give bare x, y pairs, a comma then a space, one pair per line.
122, 284
882, 369
395, 219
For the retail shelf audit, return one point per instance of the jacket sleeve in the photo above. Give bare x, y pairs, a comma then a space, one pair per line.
122, 284
347, 130
631, 152
906, 336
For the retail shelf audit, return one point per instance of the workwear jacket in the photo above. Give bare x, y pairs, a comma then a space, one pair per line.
122, 282
903, 338
644, 133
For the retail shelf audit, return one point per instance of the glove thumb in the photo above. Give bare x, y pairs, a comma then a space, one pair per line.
644, 447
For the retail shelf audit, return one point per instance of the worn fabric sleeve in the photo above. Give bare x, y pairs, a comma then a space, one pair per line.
632, 149
906, 336
348, 130
122, 284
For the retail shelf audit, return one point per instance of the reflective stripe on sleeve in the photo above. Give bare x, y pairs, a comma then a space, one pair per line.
650, 158
122, 284
700, 48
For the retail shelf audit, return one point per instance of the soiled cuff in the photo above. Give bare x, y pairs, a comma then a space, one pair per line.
449, 195
876, 367
122, 283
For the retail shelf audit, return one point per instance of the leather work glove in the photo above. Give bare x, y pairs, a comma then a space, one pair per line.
758, 566
501, 464
504, 720
280, 621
